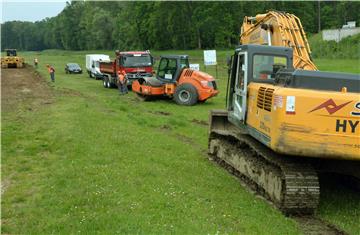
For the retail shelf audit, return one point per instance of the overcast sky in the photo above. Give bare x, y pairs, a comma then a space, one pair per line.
31, 10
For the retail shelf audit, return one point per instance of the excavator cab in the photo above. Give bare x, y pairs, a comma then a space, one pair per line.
170, 67
252, 63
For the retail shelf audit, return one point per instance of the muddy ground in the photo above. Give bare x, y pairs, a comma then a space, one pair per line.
23, 88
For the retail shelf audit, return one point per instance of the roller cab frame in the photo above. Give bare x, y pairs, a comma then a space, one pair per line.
174, 79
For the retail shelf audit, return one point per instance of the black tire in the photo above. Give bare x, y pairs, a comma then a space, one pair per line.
186, 94
104, 83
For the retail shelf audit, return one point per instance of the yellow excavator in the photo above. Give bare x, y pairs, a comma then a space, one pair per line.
12, 60
284, 121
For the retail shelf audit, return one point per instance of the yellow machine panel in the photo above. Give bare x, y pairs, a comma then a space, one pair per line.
305, 122
11, 60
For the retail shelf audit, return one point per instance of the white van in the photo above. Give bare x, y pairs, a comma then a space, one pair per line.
92, 64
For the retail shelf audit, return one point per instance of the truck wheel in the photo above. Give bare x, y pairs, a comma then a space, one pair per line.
186, 94
104, 83
108, 84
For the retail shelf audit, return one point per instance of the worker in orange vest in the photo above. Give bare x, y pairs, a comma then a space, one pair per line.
51, 72
122, 84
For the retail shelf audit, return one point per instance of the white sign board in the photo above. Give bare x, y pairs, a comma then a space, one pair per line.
195, 67
210, 57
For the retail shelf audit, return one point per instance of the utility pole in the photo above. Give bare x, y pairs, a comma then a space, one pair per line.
319, 20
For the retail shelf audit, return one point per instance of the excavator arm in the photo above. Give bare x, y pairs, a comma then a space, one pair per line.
279, 29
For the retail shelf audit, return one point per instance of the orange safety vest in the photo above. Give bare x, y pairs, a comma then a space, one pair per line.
51, 70
122, 79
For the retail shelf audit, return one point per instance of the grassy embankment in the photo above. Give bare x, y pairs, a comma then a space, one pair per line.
93, 161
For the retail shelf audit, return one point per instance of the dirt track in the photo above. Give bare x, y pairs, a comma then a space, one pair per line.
23, 87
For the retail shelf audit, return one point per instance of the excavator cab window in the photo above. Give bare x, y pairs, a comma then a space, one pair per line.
266, 66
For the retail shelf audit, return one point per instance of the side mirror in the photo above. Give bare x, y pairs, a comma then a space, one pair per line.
93, 66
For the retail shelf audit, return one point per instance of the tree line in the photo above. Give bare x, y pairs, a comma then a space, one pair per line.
162, 25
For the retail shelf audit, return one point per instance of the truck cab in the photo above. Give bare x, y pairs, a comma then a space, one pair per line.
135, 65
130, 64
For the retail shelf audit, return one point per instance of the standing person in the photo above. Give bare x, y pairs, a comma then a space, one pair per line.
36, 63
51, 72
117, 53
122, 84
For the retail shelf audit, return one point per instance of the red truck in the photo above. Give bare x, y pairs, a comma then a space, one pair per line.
131, 64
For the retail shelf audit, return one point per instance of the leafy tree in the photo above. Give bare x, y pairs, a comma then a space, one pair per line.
161, 25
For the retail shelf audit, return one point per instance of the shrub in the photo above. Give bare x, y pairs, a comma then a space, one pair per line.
347, 48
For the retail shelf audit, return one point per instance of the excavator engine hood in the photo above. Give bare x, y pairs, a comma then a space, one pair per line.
317, 80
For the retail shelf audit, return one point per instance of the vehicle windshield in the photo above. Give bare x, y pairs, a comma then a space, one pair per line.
136, 60
10, 52
74, 66
266, 66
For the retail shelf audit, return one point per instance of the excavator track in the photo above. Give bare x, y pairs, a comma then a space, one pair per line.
290, 184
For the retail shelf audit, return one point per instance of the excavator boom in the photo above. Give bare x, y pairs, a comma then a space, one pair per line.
279, 29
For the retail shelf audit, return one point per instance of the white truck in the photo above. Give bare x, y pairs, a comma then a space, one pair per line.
92, 64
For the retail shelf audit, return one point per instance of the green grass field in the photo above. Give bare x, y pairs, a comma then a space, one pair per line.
92, 162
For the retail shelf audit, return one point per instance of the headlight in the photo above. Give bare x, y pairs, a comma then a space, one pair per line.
206, 84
